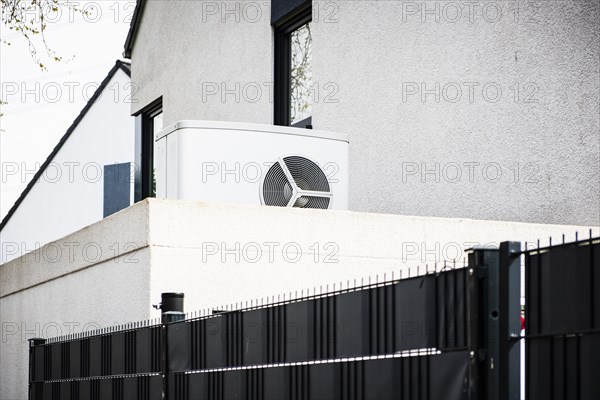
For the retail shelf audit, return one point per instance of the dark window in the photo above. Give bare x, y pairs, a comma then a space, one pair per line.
149, 122
293, 69
117, 188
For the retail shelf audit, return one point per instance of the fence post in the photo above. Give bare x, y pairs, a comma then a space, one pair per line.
32, 361
494, 322
171, 307
510, 328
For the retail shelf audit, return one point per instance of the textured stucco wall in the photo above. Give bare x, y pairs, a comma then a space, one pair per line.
371, 62
380, 52
196, 53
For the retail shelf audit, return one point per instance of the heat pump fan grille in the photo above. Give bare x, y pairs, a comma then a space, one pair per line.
307, 174
312, 202
277, 191
296, 181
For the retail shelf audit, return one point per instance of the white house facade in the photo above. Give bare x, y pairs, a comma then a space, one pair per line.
452, 125
485, 110
88, 175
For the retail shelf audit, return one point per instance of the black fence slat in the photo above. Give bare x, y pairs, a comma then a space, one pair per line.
84, 350
589, 382
276, 384
353, 324
255, 337
47, 362
277, 338
234, 385
198, 344
118, 353
324, 381
85, 390
64, 360
106, 361
36, 391
179, 336
300, 331
47, 391
563, 273
130, 388
460, 322
449, 308
39, 363
130, 355
381, 295
594, 266
415, 314
571, 356
324, 317
198, 386
379, 382
179, 387
558, 367
95, 360
332, 321
104, 388
216, 342
561, 314
65, 390
540, 378
153, 387
143, 351
446, 375
117, 388
95, 390
235, 341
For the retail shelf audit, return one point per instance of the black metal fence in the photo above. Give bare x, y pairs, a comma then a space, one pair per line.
344, 344
450, 334
562, 321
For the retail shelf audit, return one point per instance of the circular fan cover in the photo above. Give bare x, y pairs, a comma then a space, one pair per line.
296, 181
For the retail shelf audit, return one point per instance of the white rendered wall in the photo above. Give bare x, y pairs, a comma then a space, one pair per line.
94, 278
370, 56
210, 252
222, 254
69, 195
193, 54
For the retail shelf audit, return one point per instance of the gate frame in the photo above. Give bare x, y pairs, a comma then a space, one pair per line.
494, 322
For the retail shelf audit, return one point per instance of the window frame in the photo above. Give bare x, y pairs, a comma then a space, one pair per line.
145, 149
282, 90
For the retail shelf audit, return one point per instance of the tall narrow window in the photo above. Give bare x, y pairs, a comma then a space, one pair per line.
150, 122
293, 70
301, 74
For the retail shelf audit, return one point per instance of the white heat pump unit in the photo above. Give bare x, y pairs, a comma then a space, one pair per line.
253, 164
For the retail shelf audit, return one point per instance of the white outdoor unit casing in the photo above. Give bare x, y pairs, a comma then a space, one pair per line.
230, 162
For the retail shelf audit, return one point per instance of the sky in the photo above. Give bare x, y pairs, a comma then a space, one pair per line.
43, 104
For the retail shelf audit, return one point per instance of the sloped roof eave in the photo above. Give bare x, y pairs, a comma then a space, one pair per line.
133, 27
